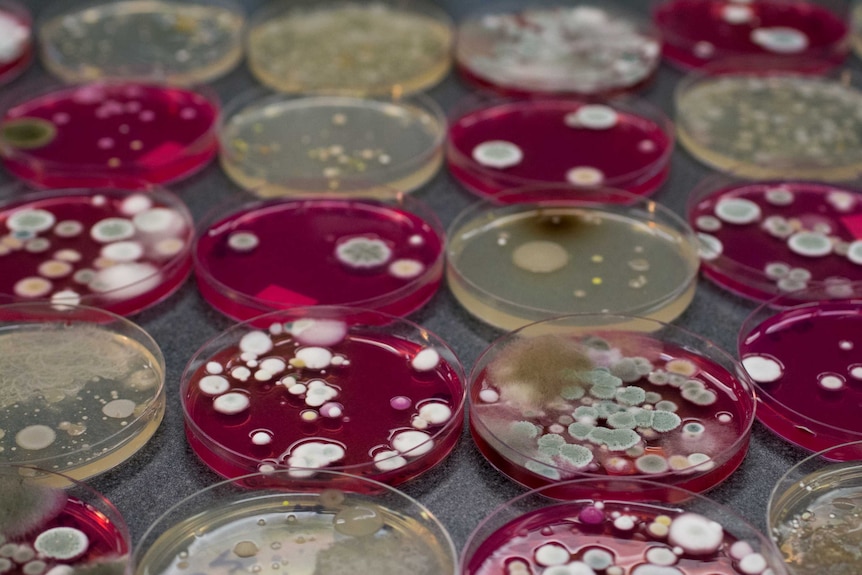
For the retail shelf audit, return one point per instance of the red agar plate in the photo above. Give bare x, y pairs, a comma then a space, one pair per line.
324, 388
16, 41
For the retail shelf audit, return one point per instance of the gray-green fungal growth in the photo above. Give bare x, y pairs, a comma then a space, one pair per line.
580, 430
62, 543
600, 376
699, 396
651, 464
585, 411
572, 392
524, 429
603, 391
664, 421
652, 397
666, 405
627, 370
24, 507
544, 467
622, 420
693, 430
622, 439
551, 440
643, 418
658, 377
607, 408
577, 456
631, 395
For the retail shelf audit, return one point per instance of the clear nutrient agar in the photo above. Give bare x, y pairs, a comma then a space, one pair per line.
108, 134
500, 144
176, 42
347, 47
584, 49
277, 145
382, 255
81, 390
16, 40
118, 250
570, 251
324, 388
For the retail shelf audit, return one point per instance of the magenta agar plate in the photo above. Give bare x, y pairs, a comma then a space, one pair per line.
805, 233
504, 144
674, 532
697, 32
382, 255
16, 41
582, 49
106, 134
805, 363
315, 388
575, 396
122, 251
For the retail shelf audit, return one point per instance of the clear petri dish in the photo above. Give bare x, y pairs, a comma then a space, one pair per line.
48, 529
319, 388
804, 361
107, 134
16, 40
333, 523
577, 396
382, 255
119, 250
392, 47
673, 532
805, 233
815, 500
771, 124
176, 42
81, 389
539, 252
279, 145
562, 48
697, 32
494, 145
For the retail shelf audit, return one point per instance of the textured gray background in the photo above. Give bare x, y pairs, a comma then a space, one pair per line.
464, 489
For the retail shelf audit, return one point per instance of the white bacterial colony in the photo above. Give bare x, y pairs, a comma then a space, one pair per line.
14, 37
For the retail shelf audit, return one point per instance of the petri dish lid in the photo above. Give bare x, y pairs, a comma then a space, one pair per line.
82, 388
16, 40
352, 521
385, 47
317, 388
497, 144
175, 42
110, 133
807, 233
284, 145
557, 48
593, 395
697, 32
386, 255
119, 250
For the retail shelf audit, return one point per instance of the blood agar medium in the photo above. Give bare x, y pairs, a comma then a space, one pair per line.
334, 524
324, 388
673, 532
813, 513
697, 32
583, 49
176, 42
559, 250
118, 250
496, 145
47, 529
762, 124
277, 145
108, 134
382, 255
805, 233
81, 389
577, 396
804, 361
381, 47
16, 41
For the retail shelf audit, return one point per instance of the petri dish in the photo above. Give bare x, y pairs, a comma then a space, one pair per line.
697, 32
353, 48
82, 388
122, 251
577, 396
48, 529
501, 144
804, 361
560, 251
673, 532
856, 28
382, 255
816, 499
805, 233
175, 42
16, 40
319, 388
585, 49
106, 134
761, 124
334, 524
279, 145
